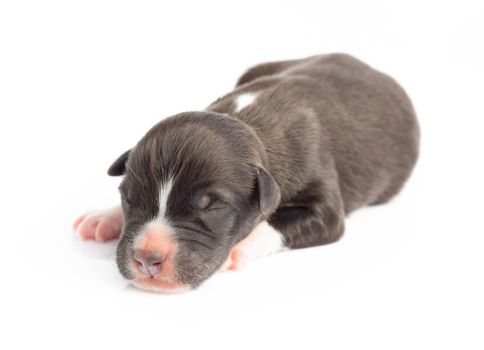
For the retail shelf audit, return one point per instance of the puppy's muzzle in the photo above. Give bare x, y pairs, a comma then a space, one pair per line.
148, 263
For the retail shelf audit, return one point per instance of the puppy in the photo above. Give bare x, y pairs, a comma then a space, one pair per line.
275, 164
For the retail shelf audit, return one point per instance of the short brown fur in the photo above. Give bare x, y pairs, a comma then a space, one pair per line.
325, 136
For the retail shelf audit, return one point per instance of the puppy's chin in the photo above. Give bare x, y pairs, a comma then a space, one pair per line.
159, 285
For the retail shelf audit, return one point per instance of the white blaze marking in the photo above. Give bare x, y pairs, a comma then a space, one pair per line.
160, 221
165, 190
244, 100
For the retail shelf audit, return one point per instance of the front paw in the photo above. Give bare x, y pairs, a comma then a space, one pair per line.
262, 241
236, 261
100, 225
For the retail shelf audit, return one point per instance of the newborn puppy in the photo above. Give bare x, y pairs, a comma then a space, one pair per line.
275, 164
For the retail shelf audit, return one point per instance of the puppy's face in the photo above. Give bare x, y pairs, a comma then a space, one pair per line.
192, 189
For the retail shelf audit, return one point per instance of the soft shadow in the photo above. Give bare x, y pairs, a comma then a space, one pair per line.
133, 289
95, 249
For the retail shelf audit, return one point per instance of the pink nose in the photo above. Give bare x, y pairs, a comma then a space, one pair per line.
148, 263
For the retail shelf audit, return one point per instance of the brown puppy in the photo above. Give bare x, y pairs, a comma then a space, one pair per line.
277, 163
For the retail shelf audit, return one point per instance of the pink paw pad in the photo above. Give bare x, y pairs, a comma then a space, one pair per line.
236, 261
262, 241
101, 225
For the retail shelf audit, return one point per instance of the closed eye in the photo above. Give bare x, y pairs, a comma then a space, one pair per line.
209, 202
215, 206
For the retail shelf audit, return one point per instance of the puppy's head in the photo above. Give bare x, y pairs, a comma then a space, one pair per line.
193, 187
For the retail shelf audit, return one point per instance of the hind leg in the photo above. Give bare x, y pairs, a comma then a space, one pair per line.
391, 191
265, 69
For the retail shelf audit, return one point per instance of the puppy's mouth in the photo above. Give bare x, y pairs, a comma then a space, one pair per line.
160, 285
150, 261
163, 281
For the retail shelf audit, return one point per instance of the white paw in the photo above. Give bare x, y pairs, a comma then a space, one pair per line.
262, 241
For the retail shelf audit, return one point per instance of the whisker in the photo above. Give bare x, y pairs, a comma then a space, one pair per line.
195, 241
190, 228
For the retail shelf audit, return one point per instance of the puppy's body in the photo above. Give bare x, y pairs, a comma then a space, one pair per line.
338, 136
294, 148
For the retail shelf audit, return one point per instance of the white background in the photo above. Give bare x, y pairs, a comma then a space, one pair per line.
82, 81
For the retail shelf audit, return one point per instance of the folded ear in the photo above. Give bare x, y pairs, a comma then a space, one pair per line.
269, 192
119, 165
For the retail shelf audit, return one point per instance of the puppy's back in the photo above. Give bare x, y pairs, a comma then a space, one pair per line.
372, 124
330, 111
